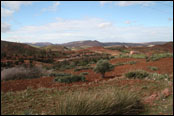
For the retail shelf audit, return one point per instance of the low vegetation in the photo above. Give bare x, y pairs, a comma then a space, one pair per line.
114, 101
156, 57
137, 74
82, 68
132, 56
141, 74
153, 68
17, 73
123, 63
102, 67
68, 78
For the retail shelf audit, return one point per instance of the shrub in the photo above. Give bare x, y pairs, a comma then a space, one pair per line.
132, 62
153, 68
16, 73
59, 74
112, 102
82, 68
138, 56
156, 57
103, 66
84, 73
137, 74
69, 78
133, 56
157, 76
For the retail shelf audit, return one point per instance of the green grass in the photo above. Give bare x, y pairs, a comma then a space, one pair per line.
47, 101
153, 68
156, 57
141, 56
82, 68
141, 74
137, 74
123, 63
84, 73
69, 78
107, 101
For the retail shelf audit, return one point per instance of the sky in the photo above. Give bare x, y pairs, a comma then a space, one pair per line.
104, 21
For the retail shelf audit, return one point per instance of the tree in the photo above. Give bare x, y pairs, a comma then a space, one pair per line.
103, 66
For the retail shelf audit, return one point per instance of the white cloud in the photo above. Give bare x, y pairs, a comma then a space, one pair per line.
75, 30
104, 25
129, 3
53, 7
170, 19
5, 27
14, 5
105, 2
10, 7
128, 22
6, 12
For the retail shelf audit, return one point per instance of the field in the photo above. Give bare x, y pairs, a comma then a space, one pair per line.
151, 94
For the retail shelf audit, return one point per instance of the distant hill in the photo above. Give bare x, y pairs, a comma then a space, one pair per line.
55, 48
90, 43
82, 43
97, 43
11, 48
40, 44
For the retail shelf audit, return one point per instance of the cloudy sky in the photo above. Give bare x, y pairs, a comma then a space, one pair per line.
105, 21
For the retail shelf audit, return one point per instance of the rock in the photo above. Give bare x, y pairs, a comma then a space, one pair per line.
166, 92
151, 98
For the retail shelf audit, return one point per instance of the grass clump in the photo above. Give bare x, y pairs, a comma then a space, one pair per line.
69, 78
132, 56
113, 102
84, 73
59, 74
141, 74
17, 73
156, 57
82, 68
156, 76
137, 74
153, 68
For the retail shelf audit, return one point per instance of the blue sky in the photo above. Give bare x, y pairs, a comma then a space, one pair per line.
105, 21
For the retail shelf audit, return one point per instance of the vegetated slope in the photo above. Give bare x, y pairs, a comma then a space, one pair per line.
167, 47
40, 44
83, 43
55, 48
11, 48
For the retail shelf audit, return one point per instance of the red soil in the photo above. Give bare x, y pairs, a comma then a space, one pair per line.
165, 65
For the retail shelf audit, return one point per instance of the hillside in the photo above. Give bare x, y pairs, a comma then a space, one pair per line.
83, 43
55, 48
40, 44
11, 48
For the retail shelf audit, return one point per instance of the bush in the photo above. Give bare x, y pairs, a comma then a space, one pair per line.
137, 74
143, 74
69, 78
103, 66
84, 73
156, 76
153, 68
156, 57
133, 56
112, 102
82, 68
16, 73
59, 74
132, 62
